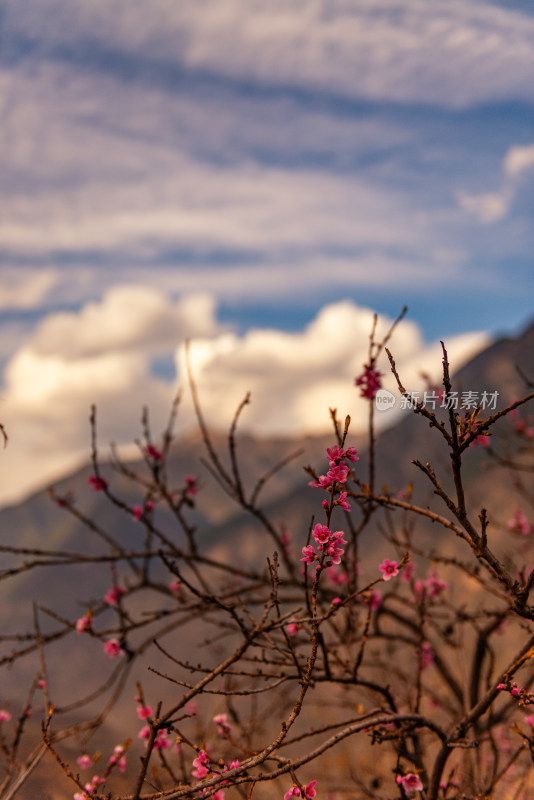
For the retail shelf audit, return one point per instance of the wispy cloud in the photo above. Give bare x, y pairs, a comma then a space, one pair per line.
490, 207
446, 53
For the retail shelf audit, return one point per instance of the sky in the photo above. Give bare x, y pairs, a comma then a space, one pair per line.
259, 177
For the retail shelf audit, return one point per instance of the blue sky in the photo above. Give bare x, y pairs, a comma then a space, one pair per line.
254, 163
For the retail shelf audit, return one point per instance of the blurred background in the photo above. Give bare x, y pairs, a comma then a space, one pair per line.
261, 178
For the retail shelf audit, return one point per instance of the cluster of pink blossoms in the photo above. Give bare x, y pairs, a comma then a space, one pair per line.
201, 770
433, 586
118, 759
519, 523
162, 740
98, 484
369, 381
337, 474
524, 697
328, 542
523, 426
190, 485
153, 453
309, 791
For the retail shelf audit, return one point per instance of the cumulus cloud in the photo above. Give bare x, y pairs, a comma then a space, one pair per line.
128, 318
294, 378
103, 355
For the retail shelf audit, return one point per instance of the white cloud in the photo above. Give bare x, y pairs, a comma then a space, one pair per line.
491, 207
295, 377
487, 207
518, 159
102, 355
129, 318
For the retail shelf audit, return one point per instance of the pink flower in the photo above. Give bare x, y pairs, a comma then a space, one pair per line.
519, 523
309, 554
309, 790
221, 720
426, 655
410, 782
333, 548
98, 484
191, 485
5, 716
162, 740
175, 586
293, 792
369, 381
375, 600
84, 624
350, 453
144, 733
389, 569
434, 584
483, 440
321, 533
137, 512
112, 597
337, 577
338, 474
153, 452
112, 648
292, 627
201, 770
219, 795
407, 572
324, 482
285, 540
144, 712
334, 454
343, 502
118, 758
530, 720
85, 761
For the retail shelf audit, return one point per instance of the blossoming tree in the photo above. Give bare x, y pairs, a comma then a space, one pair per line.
324, 659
